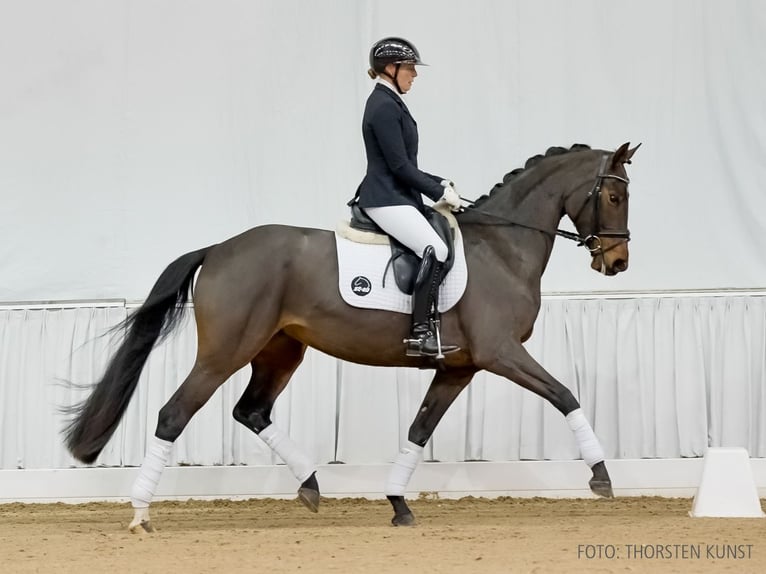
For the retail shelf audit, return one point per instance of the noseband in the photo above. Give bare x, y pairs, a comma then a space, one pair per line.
592, 241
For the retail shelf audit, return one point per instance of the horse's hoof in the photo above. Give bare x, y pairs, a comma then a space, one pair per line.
403, 519
600, 483
402, 514
143, 525
141, 521
310, 498
601, 488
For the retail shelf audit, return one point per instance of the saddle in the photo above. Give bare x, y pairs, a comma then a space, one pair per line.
404, 262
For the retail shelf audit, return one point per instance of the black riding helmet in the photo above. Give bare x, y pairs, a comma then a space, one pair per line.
392, 51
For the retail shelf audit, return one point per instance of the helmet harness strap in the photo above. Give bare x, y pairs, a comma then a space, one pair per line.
395, 78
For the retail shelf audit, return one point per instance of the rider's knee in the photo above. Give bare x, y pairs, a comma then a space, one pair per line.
440, 251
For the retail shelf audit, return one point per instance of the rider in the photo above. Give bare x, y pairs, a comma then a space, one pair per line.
390, 193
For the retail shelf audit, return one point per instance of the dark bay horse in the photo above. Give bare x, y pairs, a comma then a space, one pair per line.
266, 295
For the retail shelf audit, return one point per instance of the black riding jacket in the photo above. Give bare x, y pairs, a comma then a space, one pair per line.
391, 142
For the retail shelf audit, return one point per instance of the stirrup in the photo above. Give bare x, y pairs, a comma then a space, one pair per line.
414, 348
428, 344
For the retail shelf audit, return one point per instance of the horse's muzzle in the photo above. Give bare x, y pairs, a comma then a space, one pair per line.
608, 266
620, 265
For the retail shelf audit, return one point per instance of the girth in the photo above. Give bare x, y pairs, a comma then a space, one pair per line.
404, 262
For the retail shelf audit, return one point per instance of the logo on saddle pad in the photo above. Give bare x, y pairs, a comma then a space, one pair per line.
361, 286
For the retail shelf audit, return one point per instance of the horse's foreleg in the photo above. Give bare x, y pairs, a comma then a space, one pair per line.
445, 387
591, 452
173, 418
516, 364
272, 369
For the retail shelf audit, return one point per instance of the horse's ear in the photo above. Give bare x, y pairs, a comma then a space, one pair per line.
623, 154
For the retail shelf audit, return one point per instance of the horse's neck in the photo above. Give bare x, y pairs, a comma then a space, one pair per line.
541, 207
526, 215
537, 198
522, 231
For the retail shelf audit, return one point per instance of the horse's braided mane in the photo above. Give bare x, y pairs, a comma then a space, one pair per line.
531, 162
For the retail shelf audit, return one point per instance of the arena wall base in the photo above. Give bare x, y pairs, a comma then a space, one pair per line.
552, 479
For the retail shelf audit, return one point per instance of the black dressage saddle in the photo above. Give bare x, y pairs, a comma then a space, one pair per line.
405, 262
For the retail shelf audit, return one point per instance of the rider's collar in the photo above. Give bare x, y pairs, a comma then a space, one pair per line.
389, 85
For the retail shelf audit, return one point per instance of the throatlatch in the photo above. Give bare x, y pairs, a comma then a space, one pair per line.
425, 337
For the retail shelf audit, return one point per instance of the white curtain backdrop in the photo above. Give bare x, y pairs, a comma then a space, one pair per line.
658, 377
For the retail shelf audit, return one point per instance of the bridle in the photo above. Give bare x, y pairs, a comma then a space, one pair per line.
592, 241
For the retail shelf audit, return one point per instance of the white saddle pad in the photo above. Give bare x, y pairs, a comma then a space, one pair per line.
361, 267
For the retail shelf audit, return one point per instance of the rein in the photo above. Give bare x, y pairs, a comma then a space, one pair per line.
593, 238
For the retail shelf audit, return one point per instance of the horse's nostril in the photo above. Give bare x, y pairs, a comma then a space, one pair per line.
620, 265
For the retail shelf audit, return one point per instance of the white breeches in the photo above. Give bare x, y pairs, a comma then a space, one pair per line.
407, 224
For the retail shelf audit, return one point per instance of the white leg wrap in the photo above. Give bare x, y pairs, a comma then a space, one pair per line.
300, 464
590, 448
404, 465
157, 453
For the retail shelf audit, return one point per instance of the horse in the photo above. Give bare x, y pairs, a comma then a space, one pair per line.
264, 296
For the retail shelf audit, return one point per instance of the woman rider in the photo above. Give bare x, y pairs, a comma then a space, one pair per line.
391, 191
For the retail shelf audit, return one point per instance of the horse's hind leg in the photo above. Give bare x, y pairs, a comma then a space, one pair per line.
193, 393
445, 387
516, 364
272, 369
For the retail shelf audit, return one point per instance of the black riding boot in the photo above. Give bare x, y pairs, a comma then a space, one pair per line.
425, 338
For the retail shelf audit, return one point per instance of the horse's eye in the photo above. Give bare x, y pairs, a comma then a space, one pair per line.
613, 199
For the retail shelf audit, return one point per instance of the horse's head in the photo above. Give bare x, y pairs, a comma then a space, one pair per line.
602, 216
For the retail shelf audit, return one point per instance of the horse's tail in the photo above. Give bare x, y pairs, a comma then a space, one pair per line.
96, 418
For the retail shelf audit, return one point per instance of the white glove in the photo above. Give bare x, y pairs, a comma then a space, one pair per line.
451, 198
